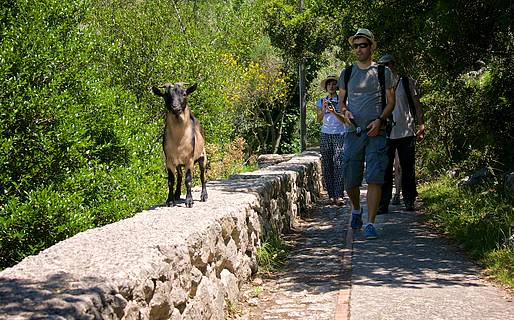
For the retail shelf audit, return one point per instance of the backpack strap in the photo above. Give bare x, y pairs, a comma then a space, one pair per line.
406, 87
347, 74
381, 81
390, 123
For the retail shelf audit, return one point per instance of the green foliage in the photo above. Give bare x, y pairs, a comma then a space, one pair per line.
226, 160
272, 252
80, 144
300, 33
480, 219
471, 121
261, 101
500, 264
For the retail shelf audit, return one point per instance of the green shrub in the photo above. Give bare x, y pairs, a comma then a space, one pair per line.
272, 253
480, 219
81, 133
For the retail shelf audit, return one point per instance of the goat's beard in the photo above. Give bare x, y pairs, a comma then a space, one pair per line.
177, 112
179, 115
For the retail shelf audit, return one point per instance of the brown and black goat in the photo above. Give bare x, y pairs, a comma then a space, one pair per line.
183, 141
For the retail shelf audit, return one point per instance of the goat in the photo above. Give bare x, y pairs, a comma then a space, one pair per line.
183, 141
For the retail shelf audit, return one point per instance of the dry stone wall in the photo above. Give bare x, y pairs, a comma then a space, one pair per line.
165, 263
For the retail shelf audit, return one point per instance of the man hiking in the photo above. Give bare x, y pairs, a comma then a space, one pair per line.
366, 101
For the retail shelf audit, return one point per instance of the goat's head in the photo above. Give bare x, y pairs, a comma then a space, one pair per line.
175, 96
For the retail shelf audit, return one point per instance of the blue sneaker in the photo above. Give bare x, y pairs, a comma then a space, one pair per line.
356, 221
370, 232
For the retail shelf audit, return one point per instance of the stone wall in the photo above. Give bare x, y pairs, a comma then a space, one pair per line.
165, 263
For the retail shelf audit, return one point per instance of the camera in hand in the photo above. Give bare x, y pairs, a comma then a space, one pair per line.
330, 104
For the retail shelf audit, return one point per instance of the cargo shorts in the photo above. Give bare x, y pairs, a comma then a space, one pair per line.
363, 149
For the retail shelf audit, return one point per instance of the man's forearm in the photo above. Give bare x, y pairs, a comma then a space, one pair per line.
387, 111
391, 100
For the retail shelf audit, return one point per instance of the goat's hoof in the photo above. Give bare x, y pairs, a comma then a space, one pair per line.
203, 197
189, 203
170, 203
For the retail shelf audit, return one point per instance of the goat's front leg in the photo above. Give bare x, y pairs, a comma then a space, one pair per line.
202, 164
179, 182
171, 181
189, 182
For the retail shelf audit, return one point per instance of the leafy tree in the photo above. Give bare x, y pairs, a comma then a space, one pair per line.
80, 129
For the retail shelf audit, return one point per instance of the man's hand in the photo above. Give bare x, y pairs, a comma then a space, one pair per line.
420, 134
373, 128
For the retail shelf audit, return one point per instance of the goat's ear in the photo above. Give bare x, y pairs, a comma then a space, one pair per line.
191, 89
157, 92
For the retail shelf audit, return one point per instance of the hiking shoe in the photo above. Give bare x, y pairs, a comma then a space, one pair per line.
370, 232
356, 221
409, 205
396, 199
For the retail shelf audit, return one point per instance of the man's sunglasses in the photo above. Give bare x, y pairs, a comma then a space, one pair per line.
360, 45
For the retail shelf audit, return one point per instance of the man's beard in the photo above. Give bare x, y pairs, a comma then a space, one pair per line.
363, 57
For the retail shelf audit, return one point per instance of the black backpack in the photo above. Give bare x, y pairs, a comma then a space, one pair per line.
381, 80
406, 87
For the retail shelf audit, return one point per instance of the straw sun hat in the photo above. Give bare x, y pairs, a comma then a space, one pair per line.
323, 84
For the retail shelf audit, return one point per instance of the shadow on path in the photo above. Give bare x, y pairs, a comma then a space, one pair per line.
408, 273
307, 286
412, 273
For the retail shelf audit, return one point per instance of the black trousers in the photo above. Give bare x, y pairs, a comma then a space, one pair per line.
406, 153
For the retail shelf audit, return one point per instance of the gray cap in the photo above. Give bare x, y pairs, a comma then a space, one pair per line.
386, 59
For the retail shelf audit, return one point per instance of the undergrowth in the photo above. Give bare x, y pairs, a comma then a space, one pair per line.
272, 253
480, 219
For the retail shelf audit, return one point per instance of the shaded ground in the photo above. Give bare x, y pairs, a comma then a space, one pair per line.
308, 285
408, 273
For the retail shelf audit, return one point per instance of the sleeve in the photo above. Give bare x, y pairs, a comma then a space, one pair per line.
389, 78
340, 82
319, 103
414, 88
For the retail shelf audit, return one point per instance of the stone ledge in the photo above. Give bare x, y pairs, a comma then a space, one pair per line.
165, 263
